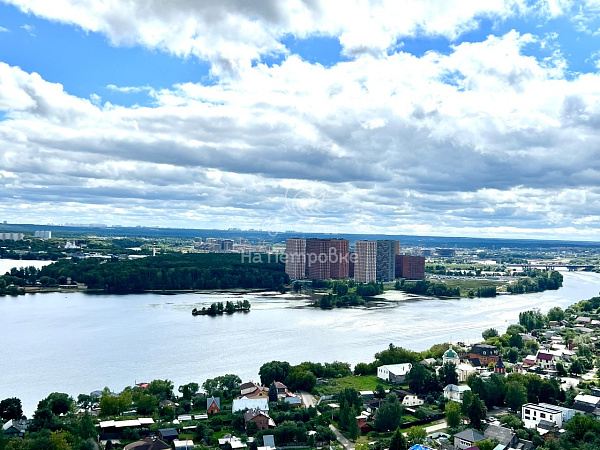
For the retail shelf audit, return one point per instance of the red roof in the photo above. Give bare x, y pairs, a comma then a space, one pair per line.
544, 356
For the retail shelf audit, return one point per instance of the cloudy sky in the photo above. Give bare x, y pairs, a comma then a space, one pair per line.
432, 117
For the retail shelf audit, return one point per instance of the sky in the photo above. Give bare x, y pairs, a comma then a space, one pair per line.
420, 117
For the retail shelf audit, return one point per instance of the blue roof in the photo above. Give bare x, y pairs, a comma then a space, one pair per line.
420, 447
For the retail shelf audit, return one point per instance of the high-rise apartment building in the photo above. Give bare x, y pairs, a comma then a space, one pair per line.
318, 266
42, 234
295, 258
365, 266
339, 258
11, 236
410, 267
386, 260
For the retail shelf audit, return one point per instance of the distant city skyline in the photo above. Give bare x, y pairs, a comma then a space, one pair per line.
463, 119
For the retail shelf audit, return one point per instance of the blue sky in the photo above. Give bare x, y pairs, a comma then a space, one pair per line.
432, 117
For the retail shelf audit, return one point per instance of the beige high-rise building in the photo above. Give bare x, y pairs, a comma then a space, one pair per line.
365, 265
295, 258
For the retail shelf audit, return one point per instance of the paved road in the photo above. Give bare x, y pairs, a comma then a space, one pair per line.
308, 399
341, 439
437, 427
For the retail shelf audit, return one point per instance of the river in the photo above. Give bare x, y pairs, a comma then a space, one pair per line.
78, 342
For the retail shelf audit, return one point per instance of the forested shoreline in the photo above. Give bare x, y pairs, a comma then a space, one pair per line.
170, 272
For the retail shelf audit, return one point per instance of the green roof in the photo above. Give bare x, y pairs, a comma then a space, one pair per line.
450, 354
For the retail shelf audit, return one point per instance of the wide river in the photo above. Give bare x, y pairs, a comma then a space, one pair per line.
78, 342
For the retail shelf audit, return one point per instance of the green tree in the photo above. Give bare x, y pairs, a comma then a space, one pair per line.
452, 413
416, 435
146, 404
273, 371
516, 341
516, 395
398, 441
556, 314
486, 444
11, 408
447, 374
161, 389
389, 414
489, 333
189, 390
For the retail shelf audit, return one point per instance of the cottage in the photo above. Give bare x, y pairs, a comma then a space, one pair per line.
408, 398
546, 360
213, 405
455, 393
467, 438
394, 373
247, 388
506, 437
261, 419
281, 388
168, 434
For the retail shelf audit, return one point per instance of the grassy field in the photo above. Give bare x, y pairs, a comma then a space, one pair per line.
362, 383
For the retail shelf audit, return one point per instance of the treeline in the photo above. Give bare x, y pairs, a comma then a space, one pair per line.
220, 308
302, 376
536, 281
426, 287
165, 272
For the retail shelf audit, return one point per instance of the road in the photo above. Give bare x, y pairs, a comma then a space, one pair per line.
341, 439
307, 399
437, 427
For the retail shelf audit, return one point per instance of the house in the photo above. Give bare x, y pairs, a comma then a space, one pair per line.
463, 371
261, 419
532, 414
583, 320
213, 405
247, 388
281, 388
365, 427
546, 360
241, 404
166, 403
148, 443
117, 426
428, 362
183, 445
259, 392
455, 393
394, 373
467, 438
529, 361
484, 353
233, 441
505, 436
11, 429
408, 398
367, 395
450, 356
168, 434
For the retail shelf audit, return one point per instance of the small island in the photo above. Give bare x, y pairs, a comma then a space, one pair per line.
216, 309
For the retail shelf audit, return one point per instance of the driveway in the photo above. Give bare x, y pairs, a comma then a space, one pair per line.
307, 399
341, 439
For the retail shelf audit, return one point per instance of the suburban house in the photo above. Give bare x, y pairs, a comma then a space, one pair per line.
505, 436
463, 371
408, 398
183, 445
281, 388
467, 438
529, 361
233, 441
247, 388
546, 360
241, 404
589, 404
455, 393
394, 373
148, 443
168, 434
293, 400
532, 414
484, 353
213, 405
261, 419
13, 428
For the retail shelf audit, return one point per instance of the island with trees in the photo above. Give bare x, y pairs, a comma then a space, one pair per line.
218, 308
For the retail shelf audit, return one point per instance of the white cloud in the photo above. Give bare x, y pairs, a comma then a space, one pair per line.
4, 30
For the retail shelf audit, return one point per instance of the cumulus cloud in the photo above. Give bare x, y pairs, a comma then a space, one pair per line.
483, 139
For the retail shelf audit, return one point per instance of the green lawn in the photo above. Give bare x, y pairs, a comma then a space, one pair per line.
361, 383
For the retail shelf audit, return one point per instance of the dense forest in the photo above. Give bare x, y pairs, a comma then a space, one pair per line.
165, 272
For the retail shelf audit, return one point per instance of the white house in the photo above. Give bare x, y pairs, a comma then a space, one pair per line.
240, 404
463, 371
408, 398
394, 373
455, 393
532, 414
